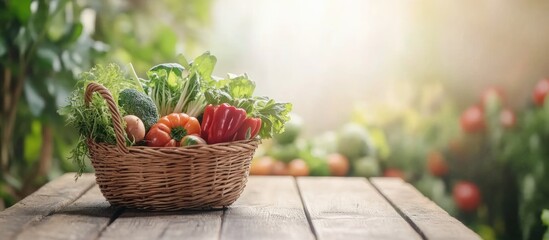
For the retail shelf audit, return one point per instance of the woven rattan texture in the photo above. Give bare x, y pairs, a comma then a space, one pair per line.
170, 178
209, 176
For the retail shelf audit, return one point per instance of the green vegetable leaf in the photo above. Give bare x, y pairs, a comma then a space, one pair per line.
164, 86
167, 68
237, 86
204, 66
176, 89
183, 61
217, 96
21, 8
273, 115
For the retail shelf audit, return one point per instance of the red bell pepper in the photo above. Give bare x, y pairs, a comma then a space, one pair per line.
249, 129
220, 123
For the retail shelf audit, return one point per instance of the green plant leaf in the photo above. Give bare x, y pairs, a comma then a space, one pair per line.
183, 61
166, 40
72, 34
35, 101
204, 65
33, 142
38, 20
21, 8
3, 48
545, 217
12, 181
56, 5
49, 56
237, 86
22, 40
168, 67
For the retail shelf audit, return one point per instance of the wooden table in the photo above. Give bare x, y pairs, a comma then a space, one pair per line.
269, 208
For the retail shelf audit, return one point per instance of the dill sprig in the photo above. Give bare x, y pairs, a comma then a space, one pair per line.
94, 122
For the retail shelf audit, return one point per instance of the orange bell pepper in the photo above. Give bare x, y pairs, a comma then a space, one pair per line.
170, 129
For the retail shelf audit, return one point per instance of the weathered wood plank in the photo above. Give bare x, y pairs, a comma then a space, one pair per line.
136, 224
431, 220
86, 218
50, 198
350, 208
269, 208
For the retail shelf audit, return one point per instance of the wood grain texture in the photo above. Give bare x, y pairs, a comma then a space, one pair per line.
51, 198
269, 208
138, 224
350, 208
432, 221
84, 219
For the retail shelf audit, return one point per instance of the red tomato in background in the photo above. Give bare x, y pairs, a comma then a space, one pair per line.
298, 167
261, 166
492, 93
339, 164
280, 168
472, 120
466, 195
540, 92
507, 118
394, 172
437, 164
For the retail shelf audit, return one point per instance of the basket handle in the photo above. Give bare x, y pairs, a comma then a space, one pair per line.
115, 114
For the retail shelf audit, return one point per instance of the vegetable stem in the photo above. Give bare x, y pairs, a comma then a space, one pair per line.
137, 82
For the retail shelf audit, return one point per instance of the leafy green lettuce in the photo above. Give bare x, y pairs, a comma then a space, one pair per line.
176, 87
189, 86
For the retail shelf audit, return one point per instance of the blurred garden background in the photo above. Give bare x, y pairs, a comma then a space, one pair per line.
449, 96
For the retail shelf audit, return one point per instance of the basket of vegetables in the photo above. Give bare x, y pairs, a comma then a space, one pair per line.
180, 139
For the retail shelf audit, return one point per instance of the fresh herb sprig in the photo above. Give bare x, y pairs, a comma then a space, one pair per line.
94, 122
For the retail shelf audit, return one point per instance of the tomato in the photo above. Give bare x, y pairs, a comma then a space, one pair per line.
280, 168
472, 120
339, 164
261, 166
437, 164
192, 139
170, 129
507, 118
394, 172
466, 195
298, 167
540, 92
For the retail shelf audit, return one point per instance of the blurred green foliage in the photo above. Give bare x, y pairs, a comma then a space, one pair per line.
146, 33
46, 44
43, 49
433, 144
507, 159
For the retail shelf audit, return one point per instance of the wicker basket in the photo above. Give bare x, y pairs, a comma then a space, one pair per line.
194, 177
